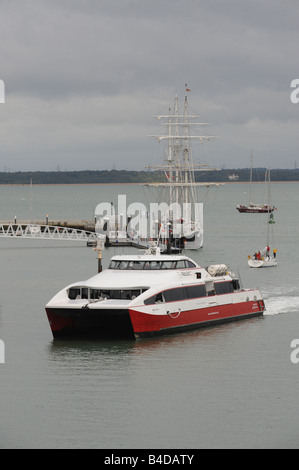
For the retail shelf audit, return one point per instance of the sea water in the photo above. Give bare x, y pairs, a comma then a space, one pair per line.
230, 386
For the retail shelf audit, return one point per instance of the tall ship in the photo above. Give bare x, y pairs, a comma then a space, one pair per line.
180, 224
179, 170
149, 294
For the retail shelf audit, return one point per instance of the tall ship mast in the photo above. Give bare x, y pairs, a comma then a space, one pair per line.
179, 169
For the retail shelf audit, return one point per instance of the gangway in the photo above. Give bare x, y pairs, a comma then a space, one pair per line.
46, 232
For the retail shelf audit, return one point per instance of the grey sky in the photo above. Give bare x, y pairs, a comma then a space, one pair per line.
83, 79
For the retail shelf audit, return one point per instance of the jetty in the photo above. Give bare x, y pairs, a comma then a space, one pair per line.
72, 230
87, 225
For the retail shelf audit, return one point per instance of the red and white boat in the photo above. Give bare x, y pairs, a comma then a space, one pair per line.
150, 294
256, 208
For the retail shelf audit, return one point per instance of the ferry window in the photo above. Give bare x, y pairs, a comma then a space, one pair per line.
168, 265
113, 264
118, 264
157, 298
180, 264
189, 264
95, 294
123, 265
74, 293
194, 292
210, 288
171, 295
223, 287
150, 300
133, 294
158, 265
236, 284
122, 294
112, 294
130, 294
135, 265
105, 294
84, 293
152, 265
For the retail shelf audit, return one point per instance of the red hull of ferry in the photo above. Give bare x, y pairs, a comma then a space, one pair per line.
147, 325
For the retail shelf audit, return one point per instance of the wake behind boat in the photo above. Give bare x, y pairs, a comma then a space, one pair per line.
150, 294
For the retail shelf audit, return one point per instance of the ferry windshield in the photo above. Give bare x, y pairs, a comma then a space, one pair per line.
151, 265
76, 293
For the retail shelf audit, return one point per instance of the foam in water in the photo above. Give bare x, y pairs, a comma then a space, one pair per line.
281, 304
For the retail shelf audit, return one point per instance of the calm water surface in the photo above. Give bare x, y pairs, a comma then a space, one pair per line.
231, 386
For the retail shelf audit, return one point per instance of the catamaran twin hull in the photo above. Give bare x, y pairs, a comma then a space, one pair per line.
141, 323
146, 295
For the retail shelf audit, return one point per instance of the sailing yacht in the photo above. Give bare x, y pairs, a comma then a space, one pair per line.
178, 168
264, 258
254, 207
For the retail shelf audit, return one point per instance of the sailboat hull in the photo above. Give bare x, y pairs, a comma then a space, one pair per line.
255, 209
262, 263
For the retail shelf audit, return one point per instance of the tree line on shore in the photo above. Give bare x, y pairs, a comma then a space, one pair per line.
130, 176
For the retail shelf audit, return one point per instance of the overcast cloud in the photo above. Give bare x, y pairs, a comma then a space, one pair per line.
83, 79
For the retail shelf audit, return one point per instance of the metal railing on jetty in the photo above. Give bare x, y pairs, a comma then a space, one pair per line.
46, 232
70, 230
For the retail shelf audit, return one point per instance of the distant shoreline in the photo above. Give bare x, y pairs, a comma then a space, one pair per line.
208, 183
125, 177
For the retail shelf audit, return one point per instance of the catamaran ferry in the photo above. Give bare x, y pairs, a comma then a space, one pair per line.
150, 294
